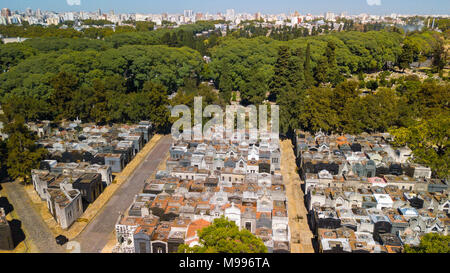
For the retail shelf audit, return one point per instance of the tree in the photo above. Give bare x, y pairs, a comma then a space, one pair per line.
353, 119
209, 96
173, 40
145, 26
343, 96
280, 80
165, 39
432, 97
23, 153
64, 85
382, 78
224, 236
439, 55
150, 103
309, 79
431, 243
406, 57
11, 55
226, 83
305, 32
333, 74
254, 91
99, 110
381, 110
372, 85
322, 70
287, 87
28, 107
330, 53
290, 102
343, 92
317, 111
428, 140
326, 69
158, 106
296, 74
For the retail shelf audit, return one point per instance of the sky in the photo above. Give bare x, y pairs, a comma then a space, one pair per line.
376, 7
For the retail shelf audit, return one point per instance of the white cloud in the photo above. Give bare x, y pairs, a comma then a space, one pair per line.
374, 2
73, 2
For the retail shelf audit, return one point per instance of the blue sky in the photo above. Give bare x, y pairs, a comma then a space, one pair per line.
264, 6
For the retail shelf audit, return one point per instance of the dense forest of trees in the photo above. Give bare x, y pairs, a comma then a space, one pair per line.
65, 83
319, 81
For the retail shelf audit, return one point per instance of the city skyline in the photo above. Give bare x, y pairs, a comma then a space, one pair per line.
375, 7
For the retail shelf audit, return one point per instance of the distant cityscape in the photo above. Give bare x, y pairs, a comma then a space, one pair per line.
40, 17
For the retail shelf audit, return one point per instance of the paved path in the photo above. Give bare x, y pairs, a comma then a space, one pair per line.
34, 227
296, 206
95, 236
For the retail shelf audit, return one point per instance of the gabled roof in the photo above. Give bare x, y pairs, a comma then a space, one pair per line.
195, 226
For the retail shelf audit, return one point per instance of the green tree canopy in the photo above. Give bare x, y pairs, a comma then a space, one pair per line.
428, 139
254, 91
372, 85
309, 79
406, 57
223, 236
317, 111
23, 154
280, 81
431, 243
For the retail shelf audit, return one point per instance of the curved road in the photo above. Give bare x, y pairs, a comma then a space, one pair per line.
96, 234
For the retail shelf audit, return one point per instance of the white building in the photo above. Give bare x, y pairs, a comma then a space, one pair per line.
383, 201
329, 16
233, 213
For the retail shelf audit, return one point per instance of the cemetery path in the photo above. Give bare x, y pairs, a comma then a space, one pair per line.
96, 235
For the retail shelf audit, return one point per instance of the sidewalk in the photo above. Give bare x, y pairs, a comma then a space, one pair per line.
38, 237
22, 247
94, 208
301, 235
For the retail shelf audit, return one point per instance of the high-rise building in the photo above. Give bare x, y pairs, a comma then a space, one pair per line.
296, 20
6, 12
230, 15
69, 16
188, 13
329, 16
53, 21
199, 16
258, 16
